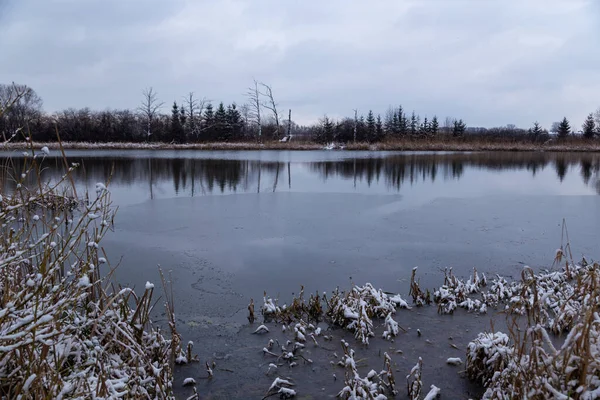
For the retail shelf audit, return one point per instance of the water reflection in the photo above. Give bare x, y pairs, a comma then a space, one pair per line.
190, 176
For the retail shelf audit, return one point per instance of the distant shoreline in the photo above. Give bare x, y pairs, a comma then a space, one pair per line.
576, 145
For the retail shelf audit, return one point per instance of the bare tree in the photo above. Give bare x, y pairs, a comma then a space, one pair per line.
19, 104
289, 128
254, 106
149, 108
597, 119
271, 106
448, 125
193, 110
355, 123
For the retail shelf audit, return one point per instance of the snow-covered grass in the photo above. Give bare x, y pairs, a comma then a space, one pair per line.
63, 332
525, 362
373, 386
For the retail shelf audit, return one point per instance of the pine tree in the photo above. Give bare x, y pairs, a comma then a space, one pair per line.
391, 124
413, 124
395, 123
370, 126
234, 119
589, 127
177, 132
402, 122
183, 120
379, 133
459, 128
222, 128
328, 128
564, 128
361, 129
536, 130
425, 127
209, 122
435, 126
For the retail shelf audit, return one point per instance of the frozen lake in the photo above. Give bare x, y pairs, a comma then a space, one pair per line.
230, 225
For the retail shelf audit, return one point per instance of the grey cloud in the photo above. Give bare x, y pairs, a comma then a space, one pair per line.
489, 62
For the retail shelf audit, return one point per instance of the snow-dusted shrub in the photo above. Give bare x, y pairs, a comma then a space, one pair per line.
368, 387
63, 333
455, 293
528, 365
354, 310
487, 354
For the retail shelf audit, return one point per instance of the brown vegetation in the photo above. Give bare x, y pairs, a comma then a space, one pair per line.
407, 144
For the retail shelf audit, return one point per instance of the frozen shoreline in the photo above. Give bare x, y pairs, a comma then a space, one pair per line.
400, 145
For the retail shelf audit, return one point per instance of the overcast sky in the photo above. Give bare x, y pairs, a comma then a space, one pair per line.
489, 62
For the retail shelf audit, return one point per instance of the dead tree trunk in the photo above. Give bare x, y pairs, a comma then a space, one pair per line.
253, 96
355, 123
271, 106
149, 107
289, 130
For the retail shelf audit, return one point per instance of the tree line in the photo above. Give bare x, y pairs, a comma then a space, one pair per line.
194, 119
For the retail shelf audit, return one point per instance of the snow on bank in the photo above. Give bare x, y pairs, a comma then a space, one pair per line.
62, 334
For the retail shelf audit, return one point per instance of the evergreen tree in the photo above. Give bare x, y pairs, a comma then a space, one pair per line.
379, 133
177, 132
395, 124
425, 127
459, 128
361, 129
391, 122
222, 128
183, 120
234, 119
589, 127
208, 125
564, 128
370, 126
413, 124
328, 130
536, 130
435, 126
402, 122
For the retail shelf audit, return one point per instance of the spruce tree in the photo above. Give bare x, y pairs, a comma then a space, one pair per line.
536, 130
378, 129
402, 128
564, 128
234, 119
589, 127
435, 126
177, 132
413, 124
208, 126
183, 120
328, 129
389, 122
222, 129
459, 128
425, 127
370, 126
361, 129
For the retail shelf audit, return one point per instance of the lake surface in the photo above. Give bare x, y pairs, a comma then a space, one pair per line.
230, 225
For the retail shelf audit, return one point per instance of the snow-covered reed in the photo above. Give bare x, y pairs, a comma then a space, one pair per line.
373, 386
355, 309
63, 332
525, 363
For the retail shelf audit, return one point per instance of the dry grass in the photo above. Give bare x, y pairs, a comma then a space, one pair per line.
65, 330
469, 143
525, 363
